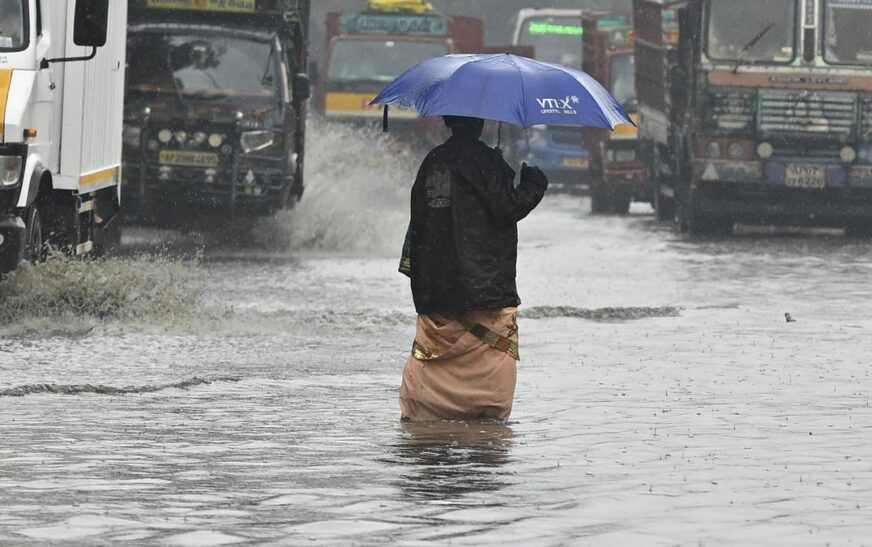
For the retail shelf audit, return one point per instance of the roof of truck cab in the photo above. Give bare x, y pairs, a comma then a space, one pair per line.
253, 32
666, 3
548, 12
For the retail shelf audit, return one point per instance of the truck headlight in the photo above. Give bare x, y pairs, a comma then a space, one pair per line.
10, 167
848, 154
215, 140
130, 135
252, 141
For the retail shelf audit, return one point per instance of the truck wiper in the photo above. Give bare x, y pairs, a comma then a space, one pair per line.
751, 44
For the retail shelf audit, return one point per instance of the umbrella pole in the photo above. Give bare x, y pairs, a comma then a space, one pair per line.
499, 133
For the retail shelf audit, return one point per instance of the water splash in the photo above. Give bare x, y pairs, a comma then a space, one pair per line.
602, 315
357, 194
79, 389
125, 289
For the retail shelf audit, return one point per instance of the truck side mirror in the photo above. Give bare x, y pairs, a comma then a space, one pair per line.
301, 87
91, 23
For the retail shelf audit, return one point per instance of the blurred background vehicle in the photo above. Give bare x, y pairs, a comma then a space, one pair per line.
556, 37
618, 177
756, 112
215, 111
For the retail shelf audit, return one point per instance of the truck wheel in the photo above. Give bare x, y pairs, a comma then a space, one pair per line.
34, 244
620, 204
599, 200
664, 207
696, 223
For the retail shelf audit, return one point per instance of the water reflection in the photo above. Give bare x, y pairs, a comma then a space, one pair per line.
441, 461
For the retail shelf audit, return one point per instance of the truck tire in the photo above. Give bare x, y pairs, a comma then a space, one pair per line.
620, 204
599, 200
34, 244
696, 223
664, 207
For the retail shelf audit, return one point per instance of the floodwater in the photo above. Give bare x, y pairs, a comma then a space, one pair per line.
239, 396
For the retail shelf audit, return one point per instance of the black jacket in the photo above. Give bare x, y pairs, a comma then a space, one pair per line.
462, 244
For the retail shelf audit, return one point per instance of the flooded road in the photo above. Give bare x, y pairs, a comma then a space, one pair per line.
249, 397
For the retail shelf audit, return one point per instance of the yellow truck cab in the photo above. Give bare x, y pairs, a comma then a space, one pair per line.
366, 50
61, 101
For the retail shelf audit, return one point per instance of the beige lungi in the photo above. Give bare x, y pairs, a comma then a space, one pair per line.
453, 374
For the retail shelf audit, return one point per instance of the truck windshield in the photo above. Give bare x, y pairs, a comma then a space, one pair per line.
752, 31
554, 39
201, 66
623, 79
378, 60
12, 25
848, 27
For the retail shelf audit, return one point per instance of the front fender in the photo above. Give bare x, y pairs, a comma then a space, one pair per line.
33, 172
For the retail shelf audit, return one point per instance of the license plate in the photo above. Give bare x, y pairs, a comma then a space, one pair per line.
805, 176
188, 159
624, 156
575, 162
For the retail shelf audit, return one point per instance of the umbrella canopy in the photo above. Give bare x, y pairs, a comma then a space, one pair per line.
505, 88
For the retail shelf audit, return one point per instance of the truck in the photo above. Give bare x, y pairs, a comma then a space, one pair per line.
556, 37
367, 50
61, 100
618, 177
756, 112
215, 111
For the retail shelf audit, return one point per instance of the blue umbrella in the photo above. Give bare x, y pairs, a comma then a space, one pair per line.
505, 88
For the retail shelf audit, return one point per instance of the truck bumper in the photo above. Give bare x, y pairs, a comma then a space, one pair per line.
759, 192
12, 234
632, 181
181, 193
750, 203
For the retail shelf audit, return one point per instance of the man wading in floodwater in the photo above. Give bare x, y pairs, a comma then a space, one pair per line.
461, 252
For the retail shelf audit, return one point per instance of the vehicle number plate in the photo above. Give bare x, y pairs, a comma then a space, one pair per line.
576, 162
805, 176
188, 159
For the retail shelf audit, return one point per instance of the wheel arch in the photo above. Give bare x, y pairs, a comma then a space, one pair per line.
36, 179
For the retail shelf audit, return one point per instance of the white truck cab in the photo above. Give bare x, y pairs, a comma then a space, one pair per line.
61, 105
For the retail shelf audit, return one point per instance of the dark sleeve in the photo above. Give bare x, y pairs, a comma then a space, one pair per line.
408, 242
505, 202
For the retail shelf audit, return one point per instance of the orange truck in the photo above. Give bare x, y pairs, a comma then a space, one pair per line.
618, 176
365, 51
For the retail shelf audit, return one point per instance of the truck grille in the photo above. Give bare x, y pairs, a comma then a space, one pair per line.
830, 114
732, 111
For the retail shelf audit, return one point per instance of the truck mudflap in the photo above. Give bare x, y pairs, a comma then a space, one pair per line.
11, 242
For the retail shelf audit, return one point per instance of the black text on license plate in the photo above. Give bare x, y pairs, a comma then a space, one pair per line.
805, 176
189, 159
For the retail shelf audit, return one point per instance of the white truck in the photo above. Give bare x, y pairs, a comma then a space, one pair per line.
62, 66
